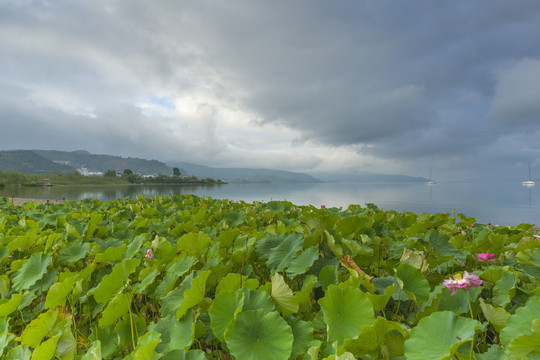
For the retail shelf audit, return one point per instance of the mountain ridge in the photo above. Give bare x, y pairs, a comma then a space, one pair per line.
53, 161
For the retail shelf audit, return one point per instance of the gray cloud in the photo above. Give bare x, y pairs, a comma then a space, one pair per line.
386, 85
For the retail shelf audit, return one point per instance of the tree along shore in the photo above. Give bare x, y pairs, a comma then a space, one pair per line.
13, 178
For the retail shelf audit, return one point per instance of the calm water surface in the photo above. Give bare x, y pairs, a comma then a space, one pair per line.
496, 203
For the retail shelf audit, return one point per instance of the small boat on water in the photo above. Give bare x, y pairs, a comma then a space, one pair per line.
430, 182
529, 182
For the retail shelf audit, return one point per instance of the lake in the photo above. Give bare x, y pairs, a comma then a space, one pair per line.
497, 203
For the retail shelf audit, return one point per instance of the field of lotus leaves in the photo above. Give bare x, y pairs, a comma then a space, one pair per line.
185, 277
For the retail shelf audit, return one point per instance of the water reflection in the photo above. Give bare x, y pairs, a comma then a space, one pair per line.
103, 193
496, 203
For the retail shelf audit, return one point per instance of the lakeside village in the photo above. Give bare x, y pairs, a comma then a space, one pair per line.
84, 171
84, 176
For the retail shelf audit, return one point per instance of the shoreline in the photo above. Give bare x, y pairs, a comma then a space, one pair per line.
19, 201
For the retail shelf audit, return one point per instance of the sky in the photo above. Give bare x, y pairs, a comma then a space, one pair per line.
395, 87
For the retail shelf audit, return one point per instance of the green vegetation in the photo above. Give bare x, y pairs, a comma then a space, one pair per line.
28, 161
185, 277
75, 178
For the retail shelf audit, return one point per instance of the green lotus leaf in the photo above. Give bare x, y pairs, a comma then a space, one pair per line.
39, 328
109, 340
439, 336
72, 252
280, 256
415, 286
526, 346
344, 356
193, 243
4, 251
256, 299
181, 266
495, 315
379, 301
72, 230
346, 312
33, 269
234, 218
111, 254
9, 306
302, 333
302, 262
441, 245
47, 349
373, 338
493, 353
171, 302
283, 295
381, 283
175, 334
134, 246
328, 276
521, 321
4, 280
20, 352
336, 248
194, 295
504, 289
66, 348
276, 206
268, 242
5, 336
140, 287
94, 352
117, 307
233, 281
110, 284
256, 335
146, 345
182, 332
459, 302
223, 311
56, 296
184, 355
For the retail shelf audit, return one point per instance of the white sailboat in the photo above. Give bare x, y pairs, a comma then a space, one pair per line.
528, 182
430, 182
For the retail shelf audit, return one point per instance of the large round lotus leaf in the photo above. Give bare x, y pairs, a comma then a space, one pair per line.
527, 346
256, 334
521, 321
33, 269
439, 336
223, 310
414, 283
346, 312
303, 335
257, 299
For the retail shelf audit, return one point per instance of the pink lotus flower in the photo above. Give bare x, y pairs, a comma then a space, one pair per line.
467, 282
149, 254
323, 206
486, 257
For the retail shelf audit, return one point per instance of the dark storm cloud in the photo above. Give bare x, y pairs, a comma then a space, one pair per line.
452, 83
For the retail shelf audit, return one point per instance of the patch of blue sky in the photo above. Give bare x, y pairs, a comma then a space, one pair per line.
156, 105
162, 101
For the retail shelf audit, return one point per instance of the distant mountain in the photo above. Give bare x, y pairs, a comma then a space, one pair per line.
244, 175
53, 161
28, 161
103, 163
